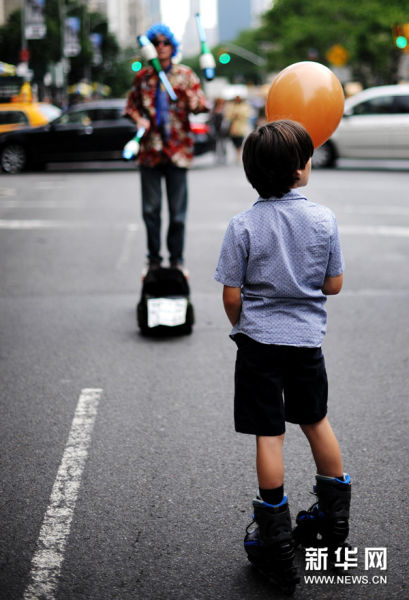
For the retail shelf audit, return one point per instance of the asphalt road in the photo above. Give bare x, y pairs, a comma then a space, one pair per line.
141, 489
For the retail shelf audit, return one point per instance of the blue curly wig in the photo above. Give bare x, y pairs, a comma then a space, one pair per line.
161, 29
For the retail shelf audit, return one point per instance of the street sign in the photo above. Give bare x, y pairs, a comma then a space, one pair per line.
34, 20
337, 55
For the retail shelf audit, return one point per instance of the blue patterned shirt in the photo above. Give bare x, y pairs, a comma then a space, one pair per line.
279, 252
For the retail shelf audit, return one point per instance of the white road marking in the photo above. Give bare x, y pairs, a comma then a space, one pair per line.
49, 554
7, 191
51, 184
41, 203
27, 224
127, 245
32, 224
395, 211
385, 230
19, 224
376, 293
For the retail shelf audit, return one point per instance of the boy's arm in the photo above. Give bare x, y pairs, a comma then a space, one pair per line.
332, 285
232, 303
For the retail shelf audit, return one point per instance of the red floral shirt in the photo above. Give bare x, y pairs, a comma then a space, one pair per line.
178, 149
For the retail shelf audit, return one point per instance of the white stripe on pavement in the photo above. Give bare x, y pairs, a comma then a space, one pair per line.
127, 246
49, 555
385, 230
21, 224
40, 203
44, 224
395, 211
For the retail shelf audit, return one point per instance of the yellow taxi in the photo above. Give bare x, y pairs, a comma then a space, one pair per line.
16, 115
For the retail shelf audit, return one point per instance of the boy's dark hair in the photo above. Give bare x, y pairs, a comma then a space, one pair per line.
272, 154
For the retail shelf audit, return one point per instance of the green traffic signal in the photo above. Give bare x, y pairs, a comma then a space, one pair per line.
136, 66
401, 42
224, 58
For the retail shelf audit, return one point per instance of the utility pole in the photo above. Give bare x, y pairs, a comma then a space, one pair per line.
22, 68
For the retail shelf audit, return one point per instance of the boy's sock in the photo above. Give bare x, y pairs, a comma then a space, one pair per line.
273, 496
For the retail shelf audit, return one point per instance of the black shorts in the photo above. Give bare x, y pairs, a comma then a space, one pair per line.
237, 141
264, 372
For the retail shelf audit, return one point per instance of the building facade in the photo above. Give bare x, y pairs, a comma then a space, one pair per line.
127, 18
7, 7
190, 42
235, 16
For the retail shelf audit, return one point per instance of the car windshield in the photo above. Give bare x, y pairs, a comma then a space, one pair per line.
78, 116
88, 115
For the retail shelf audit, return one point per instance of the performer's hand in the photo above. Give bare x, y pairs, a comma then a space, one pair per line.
142, 122
195, 103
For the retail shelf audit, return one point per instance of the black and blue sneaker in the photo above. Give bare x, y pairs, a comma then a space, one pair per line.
326, 522
270, 546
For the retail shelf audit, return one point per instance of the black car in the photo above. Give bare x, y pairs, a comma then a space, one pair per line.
89, 131
92, 131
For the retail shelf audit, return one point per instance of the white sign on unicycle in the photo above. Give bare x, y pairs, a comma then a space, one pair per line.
166, 311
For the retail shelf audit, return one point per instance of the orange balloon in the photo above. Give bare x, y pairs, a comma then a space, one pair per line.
309, 93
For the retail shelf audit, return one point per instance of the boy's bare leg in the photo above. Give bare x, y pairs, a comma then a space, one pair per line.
270, 468
325, 448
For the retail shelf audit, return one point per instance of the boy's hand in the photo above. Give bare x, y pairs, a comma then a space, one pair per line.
332, 285
232, 303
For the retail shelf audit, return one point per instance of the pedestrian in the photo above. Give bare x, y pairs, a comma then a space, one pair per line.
219, 123
278, 262
166, 149
238, 114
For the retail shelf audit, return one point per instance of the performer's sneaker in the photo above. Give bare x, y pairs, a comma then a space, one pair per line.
176, 264
151, 265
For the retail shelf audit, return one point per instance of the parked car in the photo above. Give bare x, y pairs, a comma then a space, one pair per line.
203, 134
88, 131
16, 115
375, 125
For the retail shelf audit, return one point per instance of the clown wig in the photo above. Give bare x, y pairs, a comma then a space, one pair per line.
160, 29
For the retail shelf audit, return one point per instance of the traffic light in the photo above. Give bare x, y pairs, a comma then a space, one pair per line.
136, 65
401, 36
401, 42
224, 57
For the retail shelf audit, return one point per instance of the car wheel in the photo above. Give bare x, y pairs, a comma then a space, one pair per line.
324, 156
13, 158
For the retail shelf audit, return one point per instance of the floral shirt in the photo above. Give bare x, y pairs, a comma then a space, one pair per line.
154, 147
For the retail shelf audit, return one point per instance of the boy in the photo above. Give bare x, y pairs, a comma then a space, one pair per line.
279, 260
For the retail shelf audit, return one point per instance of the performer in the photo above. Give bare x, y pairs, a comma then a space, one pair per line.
166, 149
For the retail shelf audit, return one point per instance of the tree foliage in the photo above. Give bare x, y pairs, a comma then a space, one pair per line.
295, 30
239, 69
299, 30
291, 31
113, 71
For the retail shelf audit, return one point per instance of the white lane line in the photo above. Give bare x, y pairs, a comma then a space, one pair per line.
49, 554
27, 224
29, 203
20, 224
394, 211
7, 192
385, 230
376, 293
127, 246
